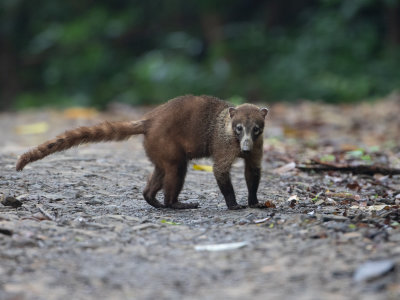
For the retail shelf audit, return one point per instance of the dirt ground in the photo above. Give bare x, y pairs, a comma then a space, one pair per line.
83, 230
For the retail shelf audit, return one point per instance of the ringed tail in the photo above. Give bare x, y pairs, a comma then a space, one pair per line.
103, 132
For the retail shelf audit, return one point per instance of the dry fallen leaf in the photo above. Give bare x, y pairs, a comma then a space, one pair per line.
354, 186
205, 168
343, 195
270, 204
285, 168
351, 235
372, 207
34, 128
348, 147
80, 113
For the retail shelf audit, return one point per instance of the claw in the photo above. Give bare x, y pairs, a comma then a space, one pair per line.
181, 205
237, 207
258, 205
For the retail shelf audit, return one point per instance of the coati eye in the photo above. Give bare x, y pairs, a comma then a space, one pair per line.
256, 130
239, 129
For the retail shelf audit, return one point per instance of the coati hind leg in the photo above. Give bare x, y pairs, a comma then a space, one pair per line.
172, 186
153, 186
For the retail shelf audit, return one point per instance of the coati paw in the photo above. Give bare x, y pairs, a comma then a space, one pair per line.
236, 207
181, 205
258, 205
155, 203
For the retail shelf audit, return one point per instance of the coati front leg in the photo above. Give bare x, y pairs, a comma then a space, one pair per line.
173, 182
154, 184
252, 173
223, 177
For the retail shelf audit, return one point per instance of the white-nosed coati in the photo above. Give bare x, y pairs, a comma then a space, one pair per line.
184, 128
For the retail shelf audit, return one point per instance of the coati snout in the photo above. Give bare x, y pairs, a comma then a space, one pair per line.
247, 126
184, 128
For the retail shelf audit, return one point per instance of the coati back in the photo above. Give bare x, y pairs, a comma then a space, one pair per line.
184, 128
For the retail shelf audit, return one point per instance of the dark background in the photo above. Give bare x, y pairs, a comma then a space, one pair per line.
86, 52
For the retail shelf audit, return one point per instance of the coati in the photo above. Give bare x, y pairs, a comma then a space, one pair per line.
184, 128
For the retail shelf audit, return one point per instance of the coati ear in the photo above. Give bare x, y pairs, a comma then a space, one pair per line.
264, 111
232, 111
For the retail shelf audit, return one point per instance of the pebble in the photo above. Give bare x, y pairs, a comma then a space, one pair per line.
373, 269
10, 201
337, 218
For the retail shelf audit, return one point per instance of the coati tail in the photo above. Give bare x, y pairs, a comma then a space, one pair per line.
103, 132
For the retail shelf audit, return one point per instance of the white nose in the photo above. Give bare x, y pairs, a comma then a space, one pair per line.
246, 144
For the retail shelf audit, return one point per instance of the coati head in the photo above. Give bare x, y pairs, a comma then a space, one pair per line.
247, 124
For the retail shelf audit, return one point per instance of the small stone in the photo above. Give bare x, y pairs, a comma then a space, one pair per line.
6, 231
337, 226
243, 222
337, 218
373, 269
10, 201
94, 202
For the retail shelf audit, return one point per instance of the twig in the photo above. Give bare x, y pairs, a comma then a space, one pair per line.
46, 214
360, 169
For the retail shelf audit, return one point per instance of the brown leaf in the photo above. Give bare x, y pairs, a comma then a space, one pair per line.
354, 186
343, 195
270, 204
348, 147
80, 113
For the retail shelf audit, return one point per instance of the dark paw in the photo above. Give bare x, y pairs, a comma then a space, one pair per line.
236, 207
154, 202
258, 205
181, 205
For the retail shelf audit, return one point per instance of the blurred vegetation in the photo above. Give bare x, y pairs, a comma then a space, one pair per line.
84, 52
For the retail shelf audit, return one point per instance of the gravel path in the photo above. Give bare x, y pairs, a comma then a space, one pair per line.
84, 232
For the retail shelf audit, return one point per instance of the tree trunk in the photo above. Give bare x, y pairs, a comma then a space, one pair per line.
9, 82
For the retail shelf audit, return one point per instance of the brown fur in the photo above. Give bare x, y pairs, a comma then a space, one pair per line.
184, 128
106, 131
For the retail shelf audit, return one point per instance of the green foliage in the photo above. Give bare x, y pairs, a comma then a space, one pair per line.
87, 53
339, 54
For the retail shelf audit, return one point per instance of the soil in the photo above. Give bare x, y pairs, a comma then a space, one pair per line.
83, 231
